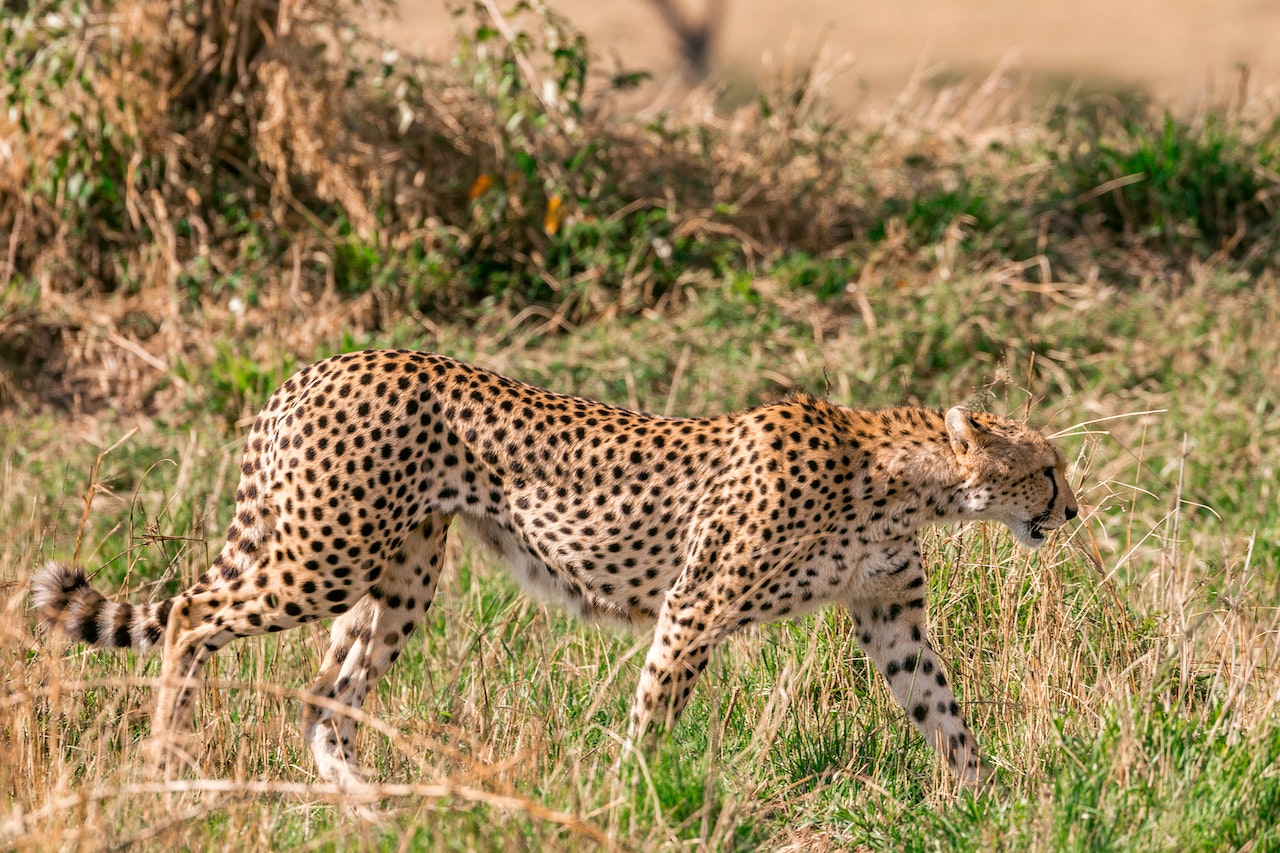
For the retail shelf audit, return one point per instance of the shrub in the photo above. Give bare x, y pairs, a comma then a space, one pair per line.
1190, 188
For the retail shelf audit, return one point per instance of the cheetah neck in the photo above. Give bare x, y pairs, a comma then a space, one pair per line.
911, 467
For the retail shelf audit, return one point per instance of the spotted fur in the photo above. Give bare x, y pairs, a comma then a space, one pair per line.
357, 465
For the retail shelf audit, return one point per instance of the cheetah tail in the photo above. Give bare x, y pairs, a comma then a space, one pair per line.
61, 596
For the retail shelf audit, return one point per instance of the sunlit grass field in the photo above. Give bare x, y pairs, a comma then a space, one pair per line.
1122, 679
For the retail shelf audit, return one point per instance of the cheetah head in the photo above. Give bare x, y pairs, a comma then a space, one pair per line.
1012, 474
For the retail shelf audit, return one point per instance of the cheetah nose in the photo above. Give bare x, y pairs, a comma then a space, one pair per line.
1070, 513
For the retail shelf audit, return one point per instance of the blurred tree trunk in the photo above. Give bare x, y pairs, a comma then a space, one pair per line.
694, 39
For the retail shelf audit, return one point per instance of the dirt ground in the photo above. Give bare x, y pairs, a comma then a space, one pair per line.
1180, 50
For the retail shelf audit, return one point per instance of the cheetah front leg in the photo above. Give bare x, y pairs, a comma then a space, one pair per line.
889, 615
682, 643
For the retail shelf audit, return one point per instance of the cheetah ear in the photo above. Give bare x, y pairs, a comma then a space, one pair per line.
966, 434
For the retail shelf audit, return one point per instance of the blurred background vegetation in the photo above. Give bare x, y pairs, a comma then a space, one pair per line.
191, 157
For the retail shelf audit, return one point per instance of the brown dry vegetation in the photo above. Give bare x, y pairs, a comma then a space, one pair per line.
198, 196
180, 154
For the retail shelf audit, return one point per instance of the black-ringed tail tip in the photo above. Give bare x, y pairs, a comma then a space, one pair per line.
63, 598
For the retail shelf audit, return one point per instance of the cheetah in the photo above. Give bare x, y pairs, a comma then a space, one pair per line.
695, 528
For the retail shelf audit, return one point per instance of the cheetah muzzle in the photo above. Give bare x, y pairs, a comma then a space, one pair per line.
357, 465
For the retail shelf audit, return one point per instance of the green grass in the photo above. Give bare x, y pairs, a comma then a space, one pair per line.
1183, 186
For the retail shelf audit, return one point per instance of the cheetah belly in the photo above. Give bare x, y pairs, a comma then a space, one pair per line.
539, 579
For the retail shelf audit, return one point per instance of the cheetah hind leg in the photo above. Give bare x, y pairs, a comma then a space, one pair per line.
200, 621
363, 643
